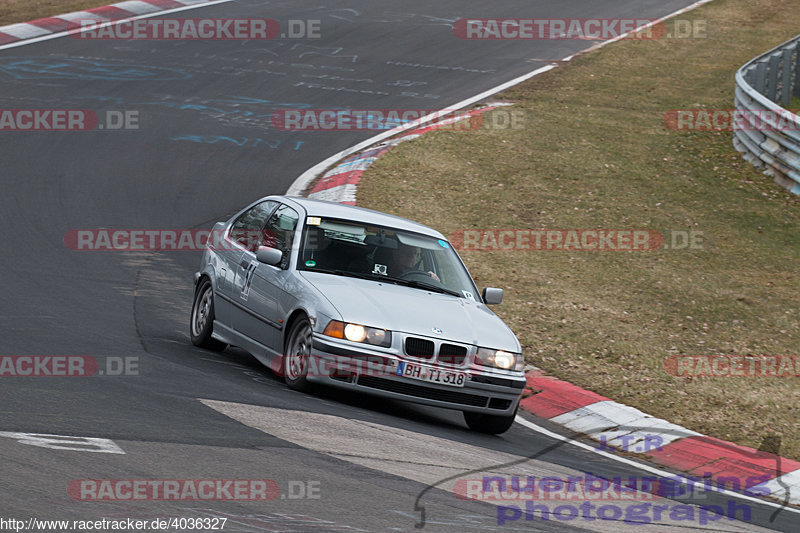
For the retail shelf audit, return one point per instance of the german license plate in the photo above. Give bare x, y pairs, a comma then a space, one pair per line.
430, 374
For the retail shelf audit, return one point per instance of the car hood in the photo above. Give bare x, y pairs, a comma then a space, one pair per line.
411, 310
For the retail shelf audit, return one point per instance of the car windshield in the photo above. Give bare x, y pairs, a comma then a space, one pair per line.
350, 248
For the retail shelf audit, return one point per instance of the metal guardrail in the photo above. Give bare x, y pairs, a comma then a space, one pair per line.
769, 134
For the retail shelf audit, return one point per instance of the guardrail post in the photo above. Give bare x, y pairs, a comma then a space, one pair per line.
797, 70
772, 84
760, 81
786, 81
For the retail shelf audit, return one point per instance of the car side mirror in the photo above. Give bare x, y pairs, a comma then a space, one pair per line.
492, 296
270, 256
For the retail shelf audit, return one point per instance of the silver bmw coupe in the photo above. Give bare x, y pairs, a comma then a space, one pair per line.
349, 297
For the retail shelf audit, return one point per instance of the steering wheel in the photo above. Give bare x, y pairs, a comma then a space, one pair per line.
421, 275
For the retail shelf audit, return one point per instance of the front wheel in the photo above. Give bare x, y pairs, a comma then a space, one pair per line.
298, 353
491, 424
202, 320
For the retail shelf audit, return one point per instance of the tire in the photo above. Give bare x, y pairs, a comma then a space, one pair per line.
201, 322
298, 351
491, 424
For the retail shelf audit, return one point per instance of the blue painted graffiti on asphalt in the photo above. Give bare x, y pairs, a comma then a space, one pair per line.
231, 106
240, 142
33, 68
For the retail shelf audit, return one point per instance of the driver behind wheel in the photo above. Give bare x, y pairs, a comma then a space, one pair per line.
407, 258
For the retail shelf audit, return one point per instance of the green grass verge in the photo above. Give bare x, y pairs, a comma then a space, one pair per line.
595, 153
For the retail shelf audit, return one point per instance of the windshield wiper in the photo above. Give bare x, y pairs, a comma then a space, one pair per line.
347, 273
379, 277
421, 285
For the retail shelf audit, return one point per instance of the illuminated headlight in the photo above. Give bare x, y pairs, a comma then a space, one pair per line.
358, 333
355, 332
500, 359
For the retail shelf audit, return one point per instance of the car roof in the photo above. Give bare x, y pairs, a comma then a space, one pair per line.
325, 209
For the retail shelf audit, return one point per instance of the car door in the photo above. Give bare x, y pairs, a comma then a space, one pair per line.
262, 291
243, 235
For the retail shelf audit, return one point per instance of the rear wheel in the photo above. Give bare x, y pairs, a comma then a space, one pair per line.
298, 353
491, 424
202, 320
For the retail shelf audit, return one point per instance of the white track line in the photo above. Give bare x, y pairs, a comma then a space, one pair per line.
308, 176
647, 468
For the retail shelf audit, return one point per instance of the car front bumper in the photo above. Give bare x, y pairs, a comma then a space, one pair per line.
374, 372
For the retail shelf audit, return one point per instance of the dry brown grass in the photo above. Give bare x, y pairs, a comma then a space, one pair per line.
12, 11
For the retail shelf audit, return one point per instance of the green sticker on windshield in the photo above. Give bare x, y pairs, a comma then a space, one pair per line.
443, 244
311, 263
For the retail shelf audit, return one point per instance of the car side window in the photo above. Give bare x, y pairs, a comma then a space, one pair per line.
279, 232
246, 230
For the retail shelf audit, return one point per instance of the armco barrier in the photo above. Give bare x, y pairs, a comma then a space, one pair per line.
770, 137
